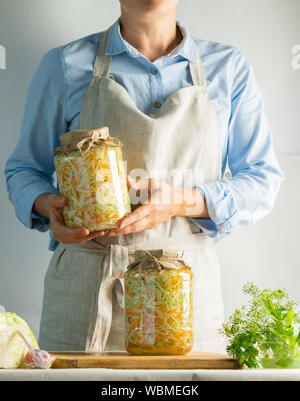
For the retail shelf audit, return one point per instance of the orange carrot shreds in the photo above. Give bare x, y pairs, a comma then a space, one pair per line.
158, 306
94, 183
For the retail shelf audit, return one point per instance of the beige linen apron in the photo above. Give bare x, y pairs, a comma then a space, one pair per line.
83, 297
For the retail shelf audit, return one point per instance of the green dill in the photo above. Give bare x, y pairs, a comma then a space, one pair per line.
266, 332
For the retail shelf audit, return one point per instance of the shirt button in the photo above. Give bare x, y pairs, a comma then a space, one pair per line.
157, 105
154, 71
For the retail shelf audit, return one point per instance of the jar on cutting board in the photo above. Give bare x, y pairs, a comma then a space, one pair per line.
158, 304
91, 175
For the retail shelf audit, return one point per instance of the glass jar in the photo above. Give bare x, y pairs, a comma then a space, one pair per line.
91, 175
158, 304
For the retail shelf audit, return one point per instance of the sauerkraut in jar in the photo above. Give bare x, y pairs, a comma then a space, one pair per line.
158, 304
91, 175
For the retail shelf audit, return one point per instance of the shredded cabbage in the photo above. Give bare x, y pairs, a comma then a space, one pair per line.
94, 184
158, 311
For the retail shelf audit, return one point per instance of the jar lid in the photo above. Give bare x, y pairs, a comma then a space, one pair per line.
158, 258
85, 139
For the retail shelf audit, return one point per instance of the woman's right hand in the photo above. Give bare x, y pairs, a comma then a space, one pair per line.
51, 206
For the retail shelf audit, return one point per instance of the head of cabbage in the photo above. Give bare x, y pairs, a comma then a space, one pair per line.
13, 349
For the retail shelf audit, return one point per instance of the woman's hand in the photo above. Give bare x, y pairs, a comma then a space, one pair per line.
51, 206
163, 203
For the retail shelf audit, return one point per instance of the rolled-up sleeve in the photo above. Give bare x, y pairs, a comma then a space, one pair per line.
30, 169
250, 193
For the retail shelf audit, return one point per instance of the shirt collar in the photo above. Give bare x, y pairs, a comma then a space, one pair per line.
117, 45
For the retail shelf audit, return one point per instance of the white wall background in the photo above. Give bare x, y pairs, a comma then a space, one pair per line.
266, 30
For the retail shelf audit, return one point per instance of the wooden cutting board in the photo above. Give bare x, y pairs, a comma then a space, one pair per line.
122, 360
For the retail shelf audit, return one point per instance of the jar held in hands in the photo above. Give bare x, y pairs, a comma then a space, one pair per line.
91, 175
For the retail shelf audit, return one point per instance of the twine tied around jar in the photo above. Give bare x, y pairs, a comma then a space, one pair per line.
153, 259
89, 138
96, 138
158, 258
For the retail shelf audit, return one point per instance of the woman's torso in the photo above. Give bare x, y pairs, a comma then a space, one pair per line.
134, 73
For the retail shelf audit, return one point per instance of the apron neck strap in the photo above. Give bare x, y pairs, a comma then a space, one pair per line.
197, 72
103, 62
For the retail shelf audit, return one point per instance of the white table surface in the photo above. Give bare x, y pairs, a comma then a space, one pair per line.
145, 375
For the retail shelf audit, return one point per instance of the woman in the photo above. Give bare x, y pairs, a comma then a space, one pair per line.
177, 104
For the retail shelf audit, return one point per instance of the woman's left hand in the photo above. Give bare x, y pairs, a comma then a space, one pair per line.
164, 202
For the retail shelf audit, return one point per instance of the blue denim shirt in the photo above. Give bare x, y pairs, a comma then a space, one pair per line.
56, 96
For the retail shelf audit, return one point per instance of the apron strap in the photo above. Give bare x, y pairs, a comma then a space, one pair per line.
103, 62
113, 269
197, 72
